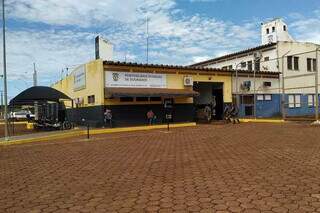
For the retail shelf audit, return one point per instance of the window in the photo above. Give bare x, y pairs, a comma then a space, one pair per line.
257, 65
142, 99
311, 100
268, 31
311, 64
249, 65
266, 59
126, 99
230, 67
243, 64
296, 63
293, 63
289, 62
155, 99
273, 29
91, 99
294, 101
260, 97
225, 67
266, 97
284, 28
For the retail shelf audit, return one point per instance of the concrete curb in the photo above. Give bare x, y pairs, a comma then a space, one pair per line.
92, 132
262, 121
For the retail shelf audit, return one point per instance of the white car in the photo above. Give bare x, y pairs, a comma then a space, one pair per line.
21, 115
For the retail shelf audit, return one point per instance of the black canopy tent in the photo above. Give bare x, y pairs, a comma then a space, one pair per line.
42, 96
39, 94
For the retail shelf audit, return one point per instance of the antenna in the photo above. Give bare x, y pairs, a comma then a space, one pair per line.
35, 80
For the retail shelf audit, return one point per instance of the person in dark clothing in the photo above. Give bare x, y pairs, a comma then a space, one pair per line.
108, 118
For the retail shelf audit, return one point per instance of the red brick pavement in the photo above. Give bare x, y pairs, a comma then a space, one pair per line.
226, 168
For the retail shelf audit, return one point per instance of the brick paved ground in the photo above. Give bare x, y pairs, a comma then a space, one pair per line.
241, 168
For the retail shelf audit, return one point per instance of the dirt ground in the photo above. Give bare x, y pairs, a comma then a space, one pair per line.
208, 168
16, 129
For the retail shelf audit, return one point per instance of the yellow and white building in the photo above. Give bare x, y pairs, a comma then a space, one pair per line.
129, 90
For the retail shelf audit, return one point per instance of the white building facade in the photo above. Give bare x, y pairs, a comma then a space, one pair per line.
297, 61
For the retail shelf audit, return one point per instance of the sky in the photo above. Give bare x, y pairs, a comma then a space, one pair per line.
59, 34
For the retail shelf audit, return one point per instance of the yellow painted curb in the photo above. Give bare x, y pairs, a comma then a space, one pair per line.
93, 132
17, 122
262, 120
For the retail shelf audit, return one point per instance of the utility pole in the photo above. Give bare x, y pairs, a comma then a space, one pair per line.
317, 88
6, 130
147, 40
35, 80
283, 98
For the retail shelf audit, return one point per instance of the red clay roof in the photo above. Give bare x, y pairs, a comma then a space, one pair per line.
189, 68
234, 54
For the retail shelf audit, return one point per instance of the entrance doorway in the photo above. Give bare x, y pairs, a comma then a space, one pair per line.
211, 97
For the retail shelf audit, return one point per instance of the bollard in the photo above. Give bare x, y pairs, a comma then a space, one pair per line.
88, 131
88, 128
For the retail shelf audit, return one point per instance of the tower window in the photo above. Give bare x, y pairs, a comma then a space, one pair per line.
284, 28
268, 31
273, 29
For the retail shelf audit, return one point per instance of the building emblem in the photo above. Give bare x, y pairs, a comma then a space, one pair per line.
115, 76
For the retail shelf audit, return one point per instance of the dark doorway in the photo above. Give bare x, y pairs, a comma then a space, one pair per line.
210, 92
217, 92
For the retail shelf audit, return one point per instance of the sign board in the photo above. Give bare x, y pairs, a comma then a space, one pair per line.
168, 103
79, 76
135, 80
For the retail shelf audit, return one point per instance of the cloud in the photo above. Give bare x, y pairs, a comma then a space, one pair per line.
203, 0
60, 33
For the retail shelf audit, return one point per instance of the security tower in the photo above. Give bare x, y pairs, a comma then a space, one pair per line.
274, 31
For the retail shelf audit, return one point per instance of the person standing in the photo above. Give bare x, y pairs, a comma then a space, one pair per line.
108, 118
151, 117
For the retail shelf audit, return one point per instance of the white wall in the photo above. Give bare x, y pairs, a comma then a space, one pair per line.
259, 88
292, 83
235, 61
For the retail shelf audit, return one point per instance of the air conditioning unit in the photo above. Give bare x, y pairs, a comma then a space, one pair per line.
245, 86
257, 55
267, 84
188, 81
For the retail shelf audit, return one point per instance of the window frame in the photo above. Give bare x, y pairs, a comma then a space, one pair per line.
260, 97
309, 64
296, 63
294, 103
290, 62
249, 64
313, 101
91, 99
268, 95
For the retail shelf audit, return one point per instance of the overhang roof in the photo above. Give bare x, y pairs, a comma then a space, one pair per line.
111, 92
187, 68
38, 93
234, 54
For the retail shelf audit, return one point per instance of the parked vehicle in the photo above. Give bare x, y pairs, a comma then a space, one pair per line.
21, 115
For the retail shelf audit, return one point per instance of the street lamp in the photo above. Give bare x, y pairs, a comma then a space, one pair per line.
5, 91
